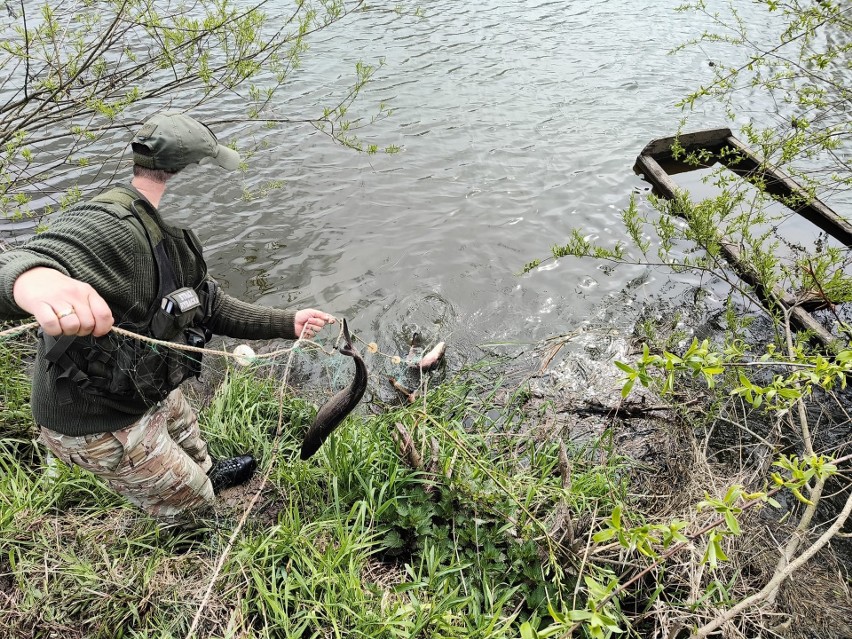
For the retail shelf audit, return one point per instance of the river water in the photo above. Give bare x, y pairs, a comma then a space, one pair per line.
517, 122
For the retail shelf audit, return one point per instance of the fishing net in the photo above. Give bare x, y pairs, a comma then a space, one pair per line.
316, 370
312, 369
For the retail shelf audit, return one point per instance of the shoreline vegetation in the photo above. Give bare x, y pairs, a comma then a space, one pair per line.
363, 540
463, 514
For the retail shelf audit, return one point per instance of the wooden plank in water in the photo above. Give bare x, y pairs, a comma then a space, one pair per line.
710, 139
798, 316
746, 164
648, 165
782, 187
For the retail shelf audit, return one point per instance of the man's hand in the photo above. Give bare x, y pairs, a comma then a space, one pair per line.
309, 321
60, 304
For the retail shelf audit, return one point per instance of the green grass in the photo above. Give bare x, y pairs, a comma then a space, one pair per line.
348, 544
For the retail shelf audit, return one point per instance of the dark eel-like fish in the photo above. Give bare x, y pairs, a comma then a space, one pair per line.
338, 407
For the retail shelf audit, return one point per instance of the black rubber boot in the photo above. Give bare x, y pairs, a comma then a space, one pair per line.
231, 472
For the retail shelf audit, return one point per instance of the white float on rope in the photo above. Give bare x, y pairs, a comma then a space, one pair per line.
244, 354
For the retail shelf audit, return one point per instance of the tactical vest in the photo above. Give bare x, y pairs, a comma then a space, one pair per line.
134, 372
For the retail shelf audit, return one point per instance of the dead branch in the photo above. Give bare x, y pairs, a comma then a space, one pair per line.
779, 576
409, 395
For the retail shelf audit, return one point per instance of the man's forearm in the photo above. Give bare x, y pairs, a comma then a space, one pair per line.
241, 320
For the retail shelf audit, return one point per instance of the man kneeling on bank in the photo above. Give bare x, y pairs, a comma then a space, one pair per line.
112, 404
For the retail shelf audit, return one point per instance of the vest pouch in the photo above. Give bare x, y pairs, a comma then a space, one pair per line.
196, 337
175, 313
141, 370
152, 371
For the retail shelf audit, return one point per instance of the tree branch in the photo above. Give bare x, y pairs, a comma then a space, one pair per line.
779, 576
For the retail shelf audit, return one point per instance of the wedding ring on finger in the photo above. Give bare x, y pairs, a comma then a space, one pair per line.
65, 313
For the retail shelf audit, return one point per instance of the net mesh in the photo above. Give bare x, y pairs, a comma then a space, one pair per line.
314, 367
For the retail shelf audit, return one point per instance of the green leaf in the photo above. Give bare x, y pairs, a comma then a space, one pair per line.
596, 590
627, 369
671, 357
558, 616
709, 555
579, 615
732, 523
604, 535
720, 554
801, 497
527, 631
616, 517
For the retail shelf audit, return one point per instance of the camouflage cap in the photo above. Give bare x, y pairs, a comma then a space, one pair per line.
173, 141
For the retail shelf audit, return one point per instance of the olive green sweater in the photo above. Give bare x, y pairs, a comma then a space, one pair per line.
103, 250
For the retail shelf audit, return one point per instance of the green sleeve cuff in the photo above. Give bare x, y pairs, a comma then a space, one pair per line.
288, 325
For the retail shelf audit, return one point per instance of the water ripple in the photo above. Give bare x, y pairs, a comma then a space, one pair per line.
516, 122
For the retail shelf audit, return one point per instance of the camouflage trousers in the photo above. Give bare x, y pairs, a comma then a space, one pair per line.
158, 463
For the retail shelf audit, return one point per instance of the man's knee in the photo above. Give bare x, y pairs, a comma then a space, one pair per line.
169, 505
165, 497
98, 453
